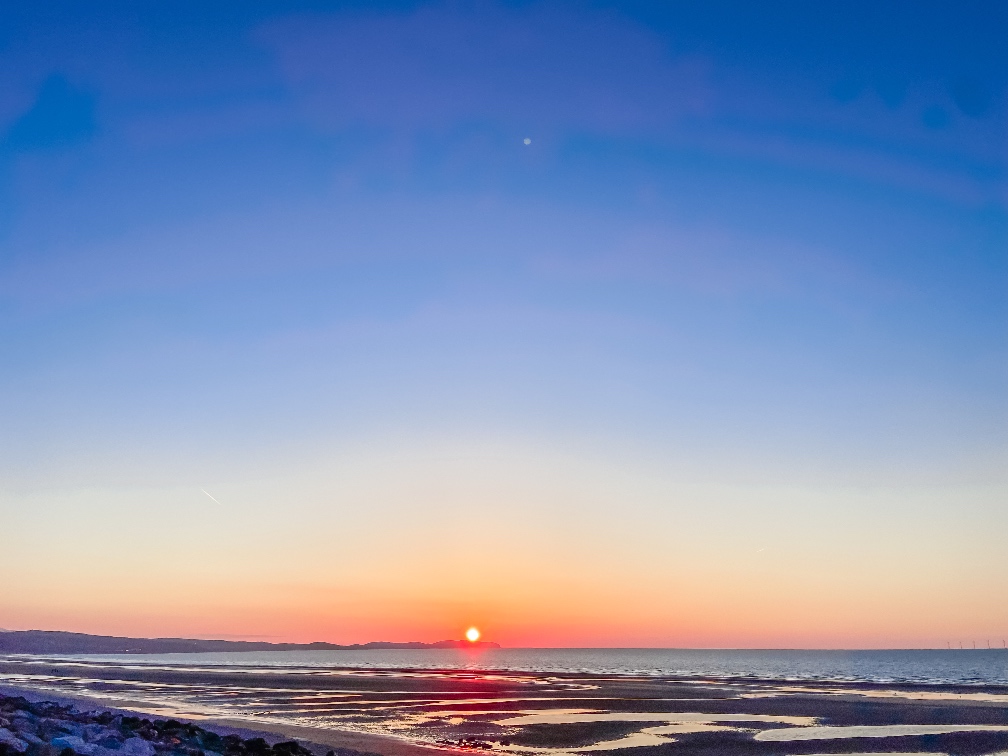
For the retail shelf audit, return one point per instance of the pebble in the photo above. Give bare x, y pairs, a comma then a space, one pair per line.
50, 729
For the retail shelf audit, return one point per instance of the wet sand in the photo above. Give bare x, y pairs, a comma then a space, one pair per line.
422, 712
364, 742
319, 740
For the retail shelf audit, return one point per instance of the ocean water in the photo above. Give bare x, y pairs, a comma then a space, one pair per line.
948, 667
500, 696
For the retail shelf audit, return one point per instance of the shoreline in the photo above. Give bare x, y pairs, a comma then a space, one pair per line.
998, 684
836, 684
439, 712
317, 739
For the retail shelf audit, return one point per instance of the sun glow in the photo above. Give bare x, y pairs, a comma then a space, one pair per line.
472, 634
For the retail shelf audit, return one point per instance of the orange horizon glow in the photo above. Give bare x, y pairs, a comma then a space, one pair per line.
755, 611
566, 567
553, 627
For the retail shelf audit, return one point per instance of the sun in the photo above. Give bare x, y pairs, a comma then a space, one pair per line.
472, 634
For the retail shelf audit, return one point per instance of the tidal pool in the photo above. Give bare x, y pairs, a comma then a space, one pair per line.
869, 731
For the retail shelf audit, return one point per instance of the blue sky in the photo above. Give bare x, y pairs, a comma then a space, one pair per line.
759, 247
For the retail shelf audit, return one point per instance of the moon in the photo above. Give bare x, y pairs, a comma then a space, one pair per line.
472, 634
527, 141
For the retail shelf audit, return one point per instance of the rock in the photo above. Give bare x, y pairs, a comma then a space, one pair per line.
256, 746
74, 742
211, 741
81, 747
136, 747
13, 742
23, 723
47, 729
94, 732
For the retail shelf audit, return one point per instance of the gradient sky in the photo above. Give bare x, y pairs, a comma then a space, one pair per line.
300, 340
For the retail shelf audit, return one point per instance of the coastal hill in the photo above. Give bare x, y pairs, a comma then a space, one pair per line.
58, 642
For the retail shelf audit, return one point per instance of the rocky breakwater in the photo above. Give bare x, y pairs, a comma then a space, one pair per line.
51, 729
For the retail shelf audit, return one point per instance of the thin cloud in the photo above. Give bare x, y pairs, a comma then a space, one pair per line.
208, 494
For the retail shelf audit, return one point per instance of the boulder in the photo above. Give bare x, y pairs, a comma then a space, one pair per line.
136, 747
93, 732
12, 742
75, 743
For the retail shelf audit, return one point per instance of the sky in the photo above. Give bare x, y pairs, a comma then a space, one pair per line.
588, 324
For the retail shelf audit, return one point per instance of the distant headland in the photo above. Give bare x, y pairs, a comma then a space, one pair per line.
59, 642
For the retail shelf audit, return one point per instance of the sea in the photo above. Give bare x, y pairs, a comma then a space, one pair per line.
443, 696
943, 667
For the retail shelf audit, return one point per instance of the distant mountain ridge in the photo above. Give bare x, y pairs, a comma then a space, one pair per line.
59, 642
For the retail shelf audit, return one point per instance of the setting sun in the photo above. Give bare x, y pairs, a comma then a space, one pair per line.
473, 634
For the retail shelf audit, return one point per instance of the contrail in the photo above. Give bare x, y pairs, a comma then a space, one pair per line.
215, 500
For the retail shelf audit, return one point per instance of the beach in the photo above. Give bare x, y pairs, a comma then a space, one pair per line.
416, 712
75, 711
